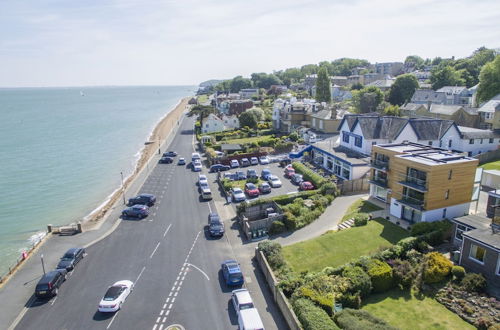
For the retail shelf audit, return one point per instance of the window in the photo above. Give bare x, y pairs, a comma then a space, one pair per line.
206, 125
449, 143
447, 194
459, 232
498, 266
374, 143
450, 174
481, 141
477, 253
444, 214
491, 140
471, 141
358, 141
469, 153
345, 137
430, 143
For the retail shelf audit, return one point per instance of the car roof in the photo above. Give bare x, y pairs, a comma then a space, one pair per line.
48, 276
232, 266
266, 170
146, 195
73, 250
237, 190
243, 296
249, 185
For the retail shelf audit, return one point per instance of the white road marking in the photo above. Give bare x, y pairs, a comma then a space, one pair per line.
170, 306
158, 319
156, 248
154, 328
161, 312
161, 327
166, 231
209, 208
53, 301
168, 312
205, 274
165, 305
114, 316
173, 300
21, 315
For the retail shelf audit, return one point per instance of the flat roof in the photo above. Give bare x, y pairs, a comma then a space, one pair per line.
474, 221
486, 236
330, 146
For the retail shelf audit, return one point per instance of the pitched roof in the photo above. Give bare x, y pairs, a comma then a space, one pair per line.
323, 114
430, 129
412, 106
425, 95
452, 89
444, 109
382, 83
476, 133
386, 127
492, 105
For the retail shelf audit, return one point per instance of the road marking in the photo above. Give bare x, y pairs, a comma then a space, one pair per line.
170, 306
156, 248
161, 312
114, 316
165, 305
205, 274
166, 231
158, 319
154, 328
21, 315
53, 301
209, 208
173, 300
161, 327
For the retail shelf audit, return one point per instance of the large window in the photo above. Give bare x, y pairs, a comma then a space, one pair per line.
358, 141
345, 137
460, 230
477, 253
471, 141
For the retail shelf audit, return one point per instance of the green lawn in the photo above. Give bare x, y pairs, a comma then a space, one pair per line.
360, 206
202, 98
249, 139
405, 311
241, 183
336, 248
492, 165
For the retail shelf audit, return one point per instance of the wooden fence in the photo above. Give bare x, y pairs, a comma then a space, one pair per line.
351, 186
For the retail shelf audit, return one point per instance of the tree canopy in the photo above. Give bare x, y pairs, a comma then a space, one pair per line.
238, 83
446, 76
323, 92
403, 88
489, 81
367, 99
415, 61
248, 119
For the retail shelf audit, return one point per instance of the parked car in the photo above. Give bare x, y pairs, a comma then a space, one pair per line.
264, 188
229, 176
166, 160
241, 300
219, 168
181, 161
234, 163
206, 193
48, 286
231, 272
264, 160
143, 199
169, 154
71, 258
115, 296
250, 319
245, 162
138, 211
254, 161
195, 156
240, 175
306, 185
274, 181
197, 166
251, 173
251, 190
265, 174
297, 178
202, 179
215, 225
237, 195
289, 172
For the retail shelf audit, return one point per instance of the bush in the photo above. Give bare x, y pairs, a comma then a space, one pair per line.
381, 275
422, 228
227, 184
351, 300
403, 273
252, 180
309, 175
351, 319
269, 247
473, 282
277, 227
436, 267
359, 279
290, 282
329, 189
312, 317
458, 273
361, 219
408, 244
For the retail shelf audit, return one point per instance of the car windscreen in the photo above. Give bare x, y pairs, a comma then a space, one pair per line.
235, 276
113, 293
42, 287
246, 306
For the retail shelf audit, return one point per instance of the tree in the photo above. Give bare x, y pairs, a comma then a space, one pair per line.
402, 90
415, 61
309, 69
248, 119
238, 83
489, 81
264, 80
392, 110
367, 99
446, 76
323, 92
257, 112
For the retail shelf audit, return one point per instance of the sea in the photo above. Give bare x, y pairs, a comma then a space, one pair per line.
62, 151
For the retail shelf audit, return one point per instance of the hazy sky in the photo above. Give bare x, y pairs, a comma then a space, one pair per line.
154, 42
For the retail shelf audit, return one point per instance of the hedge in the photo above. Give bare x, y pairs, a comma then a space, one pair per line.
381, 275
312, 317
436, 267
351, 319
309, 175
458, 273
473, 283
422, 228
359, 279
277, 227
361, 219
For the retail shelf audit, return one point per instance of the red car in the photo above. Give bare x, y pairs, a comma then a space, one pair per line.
289, 172
306, 185
251, 190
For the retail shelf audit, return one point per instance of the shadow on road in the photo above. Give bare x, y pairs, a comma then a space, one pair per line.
233, 317
98, 316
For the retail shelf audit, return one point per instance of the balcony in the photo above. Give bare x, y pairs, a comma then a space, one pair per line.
412, 202
379, 182
414, 183
380, 164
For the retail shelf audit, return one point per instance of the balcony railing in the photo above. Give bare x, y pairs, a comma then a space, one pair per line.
414, 183
412, 202
380, 164
379, 182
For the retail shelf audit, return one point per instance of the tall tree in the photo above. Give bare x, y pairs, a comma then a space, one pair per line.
323, 86
446, 76
403, 88
248, 119
238, 83
415, 61
367, 99
489, 81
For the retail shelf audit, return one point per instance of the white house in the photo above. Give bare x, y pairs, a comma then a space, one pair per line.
212, 124
230, 122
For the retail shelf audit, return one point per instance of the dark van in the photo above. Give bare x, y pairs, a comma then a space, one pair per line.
49, 284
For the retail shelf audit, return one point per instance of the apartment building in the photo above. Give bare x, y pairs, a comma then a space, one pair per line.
420, 182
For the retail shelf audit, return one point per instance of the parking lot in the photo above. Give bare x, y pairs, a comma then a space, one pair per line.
287, 185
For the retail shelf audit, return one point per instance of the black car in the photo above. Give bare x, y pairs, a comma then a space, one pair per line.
219, 168
165, 160
169, 154
215, 225
49, 284
71, 258
144, 199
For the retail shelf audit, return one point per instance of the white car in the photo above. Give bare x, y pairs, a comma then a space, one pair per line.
264, 160
254, 161
241, 300
274, 181
238, 195
115, 296
234, 163
202, 179
197, 166
195, 156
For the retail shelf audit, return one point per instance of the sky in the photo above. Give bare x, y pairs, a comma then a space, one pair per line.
184, 42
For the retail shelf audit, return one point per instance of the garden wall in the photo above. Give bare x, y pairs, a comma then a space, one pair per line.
489, 156
357, 185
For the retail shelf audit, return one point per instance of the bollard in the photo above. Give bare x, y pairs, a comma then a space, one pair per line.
49, 228
79, 226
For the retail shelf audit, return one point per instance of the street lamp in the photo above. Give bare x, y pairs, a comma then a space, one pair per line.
43, 266
159, 151
123, 189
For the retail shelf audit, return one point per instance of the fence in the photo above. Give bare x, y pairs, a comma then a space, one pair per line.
278, 296
358, 185
489, 156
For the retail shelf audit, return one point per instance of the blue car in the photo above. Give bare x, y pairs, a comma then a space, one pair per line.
137, 211
232, 273
219, 168
265, 174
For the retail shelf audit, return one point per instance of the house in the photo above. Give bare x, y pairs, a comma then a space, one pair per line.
413, 110
368, 78
310, 81
462, 115
339, 80
193, 101
422, 183
390, 68
339, 95
478, 239
473, 141
355, 79
382, 84
446, 95
236, 107
247, 93
324, 121
491, 179
489, 114
230, 122
291, 114
493, 203
212, 124
277, 89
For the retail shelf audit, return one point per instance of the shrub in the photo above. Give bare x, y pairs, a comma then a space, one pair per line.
351, 319
403, 273
408, 244
351, 300
277, 227
290, 282
309, 175
269, 247
227, 184
329, 189
361, 219
381, 275
458, 273
312, 317
359, 279
422, 228
473, 282
433, 238
252, 180
436, 267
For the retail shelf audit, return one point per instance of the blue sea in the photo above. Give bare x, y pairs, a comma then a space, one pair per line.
62, 151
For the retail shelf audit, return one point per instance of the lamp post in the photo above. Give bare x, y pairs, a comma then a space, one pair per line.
159, 151
123, 189
43, 266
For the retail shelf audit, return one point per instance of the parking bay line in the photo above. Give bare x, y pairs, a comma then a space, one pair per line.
156, 248
166, 231
114, 316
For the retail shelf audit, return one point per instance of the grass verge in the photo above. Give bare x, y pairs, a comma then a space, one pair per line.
360, 206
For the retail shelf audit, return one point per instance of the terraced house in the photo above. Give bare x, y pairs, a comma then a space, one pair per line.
421, 182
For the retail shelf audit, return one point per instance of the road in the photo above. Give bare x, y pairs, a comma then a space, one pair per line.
173, 263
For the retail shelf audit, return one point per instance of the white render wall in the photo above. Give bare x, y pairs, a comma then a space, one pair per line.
432, 215
463, 145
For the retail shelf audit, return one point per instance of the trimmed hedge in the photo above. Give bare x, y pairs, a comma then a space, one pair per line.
311, 316
458, 273
436, 267
359, 279
277, 227
422, 228
309, 175
381, 275
351, 319
361, 219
